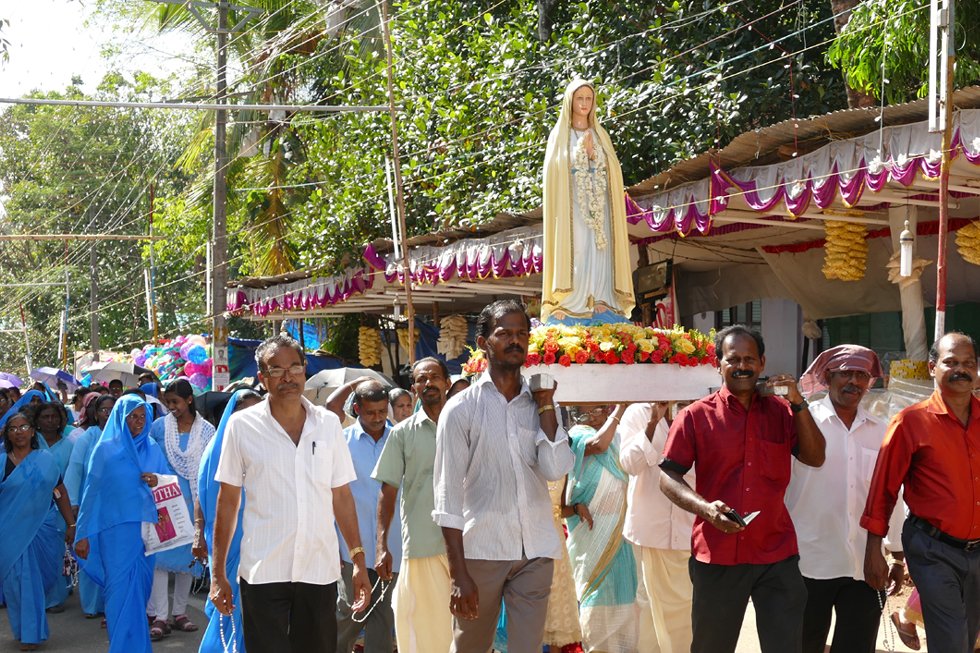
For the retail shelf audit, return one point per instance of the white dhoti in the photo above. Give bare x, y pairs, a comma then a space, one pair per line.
423, 622
668, 584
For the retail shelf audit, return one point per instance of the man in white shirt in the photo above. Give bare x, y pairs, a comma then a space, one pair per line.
826, 504
497, 446
660, 530
293, 461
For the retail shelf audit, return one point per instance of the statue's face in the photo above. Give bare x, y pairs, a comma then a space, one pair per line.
582, 101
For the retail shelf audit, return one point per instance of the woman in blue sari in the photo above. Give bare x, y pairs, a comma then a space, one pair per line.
602, 559
49, 421
32, 547
97, 411
207, 494
116, 500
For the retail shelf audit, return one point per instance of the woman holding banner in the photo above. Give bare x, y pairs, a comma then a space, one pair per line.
116, 500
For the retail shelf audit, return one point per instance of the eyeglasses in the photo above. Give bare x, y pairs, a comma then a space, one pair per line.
857, 375
278, 372
23, 428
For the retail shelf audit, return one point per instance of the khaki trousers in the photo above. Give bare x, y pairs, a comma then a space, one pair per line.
667, 581
524, 586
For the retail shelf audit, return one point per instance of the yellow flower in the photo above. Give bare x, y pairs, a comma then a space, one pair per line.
684, 346
646, 344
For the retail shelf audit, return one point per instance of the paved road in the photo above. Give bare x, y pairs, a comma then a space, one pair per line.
71, 632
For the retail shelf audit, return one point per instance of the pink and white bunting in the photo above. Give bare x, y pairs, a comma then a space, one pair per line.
842, 169
510, 253
303, 295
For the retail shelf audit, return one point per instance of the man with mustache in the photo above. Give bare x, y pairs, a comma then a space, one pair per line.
366, 438
497, 446
292, 460
932, 452
826, 505
742, 443
422, 618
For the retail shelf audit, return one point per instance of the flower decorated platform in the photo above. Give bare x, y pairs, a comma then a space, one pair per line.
613, 363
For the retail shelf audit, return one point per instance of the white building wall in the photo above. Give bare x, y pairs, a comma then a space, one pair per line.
782, 323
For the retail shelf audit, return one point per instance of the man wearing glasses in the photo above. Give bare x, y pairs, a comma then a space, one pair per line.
293, 461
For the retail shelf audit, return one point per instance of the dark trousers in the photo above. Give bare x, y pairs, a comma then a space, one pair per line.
289, 617
721, 593
378, 627
858, 615
948, 580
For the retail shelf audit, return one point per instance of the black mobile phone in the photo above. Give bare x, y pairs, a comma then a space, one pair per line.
737, 518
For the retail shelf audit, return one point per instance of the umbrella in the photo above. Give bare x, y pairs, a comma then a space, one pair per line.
211, 404
12, 379
128, 373
320, 385
51, 376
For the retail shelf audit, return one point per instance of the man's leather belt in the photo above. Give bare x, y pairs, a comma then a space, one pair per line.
932, 531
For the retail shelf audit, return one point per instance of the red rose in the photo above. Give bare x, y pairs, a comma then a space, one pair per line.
644, 356
628, 359
657, 357
611, 358
679, 358
550, 347
581, 357
710, 350
565, 360
549, 358
533, 359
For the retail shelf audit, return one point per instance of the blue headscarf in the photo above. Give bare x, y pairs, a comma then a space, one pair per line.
114, 493
20, 405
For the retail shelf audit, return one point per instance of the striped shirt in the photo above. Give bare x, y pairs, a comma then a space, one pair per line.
288, 526
492, 467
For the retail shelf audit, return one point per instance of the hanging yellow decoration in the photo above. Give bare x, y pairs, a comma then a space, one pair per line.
846, 251
369, 346
452, 336
968, 242
403, 338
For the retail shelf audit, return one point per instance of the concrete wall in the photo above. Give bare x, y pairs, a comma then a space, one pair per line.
782, 322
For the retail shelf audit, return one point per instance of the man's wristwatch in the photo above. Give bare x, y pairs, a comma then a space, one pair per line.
796, 408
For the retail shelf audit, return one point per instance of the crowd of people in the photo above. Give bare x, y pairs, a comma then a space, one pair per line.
470, 515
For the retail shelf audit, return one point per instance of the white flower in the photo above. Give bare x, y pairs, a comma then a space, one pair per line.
590, 187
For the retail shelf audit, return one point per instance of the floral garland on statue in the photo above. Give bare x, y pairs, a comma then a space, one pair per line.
590, 187
611, 344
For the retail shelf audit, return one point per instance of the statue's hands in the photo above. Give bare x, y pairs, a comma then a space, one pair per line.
589, 145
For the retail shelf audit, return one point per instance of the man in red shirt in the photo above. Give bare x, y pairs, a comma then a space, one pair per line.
933, 449
742, 442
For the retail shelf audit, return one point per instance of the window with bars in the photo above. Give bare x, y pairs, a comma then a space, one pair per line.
749, 314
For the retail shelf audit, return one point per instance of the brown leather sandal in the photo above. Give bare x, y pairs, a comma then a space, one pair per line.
157, 630
906, 632
182, 623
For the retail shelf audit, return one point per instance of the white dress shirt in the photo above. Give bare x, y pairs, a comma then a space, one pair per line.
288, 525
652, 520
492, 467
826, 502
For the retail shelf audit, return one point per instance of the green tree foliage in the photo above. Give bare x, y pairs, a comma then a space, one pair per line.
87, 170
479, 93
891, 38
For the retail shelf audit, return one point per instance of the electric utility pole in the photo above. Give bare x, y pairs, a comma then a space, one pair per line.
219, 236
942, 56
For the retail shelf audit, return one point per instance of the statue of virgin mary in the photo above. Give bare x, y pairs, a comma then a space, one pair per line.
587, 276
